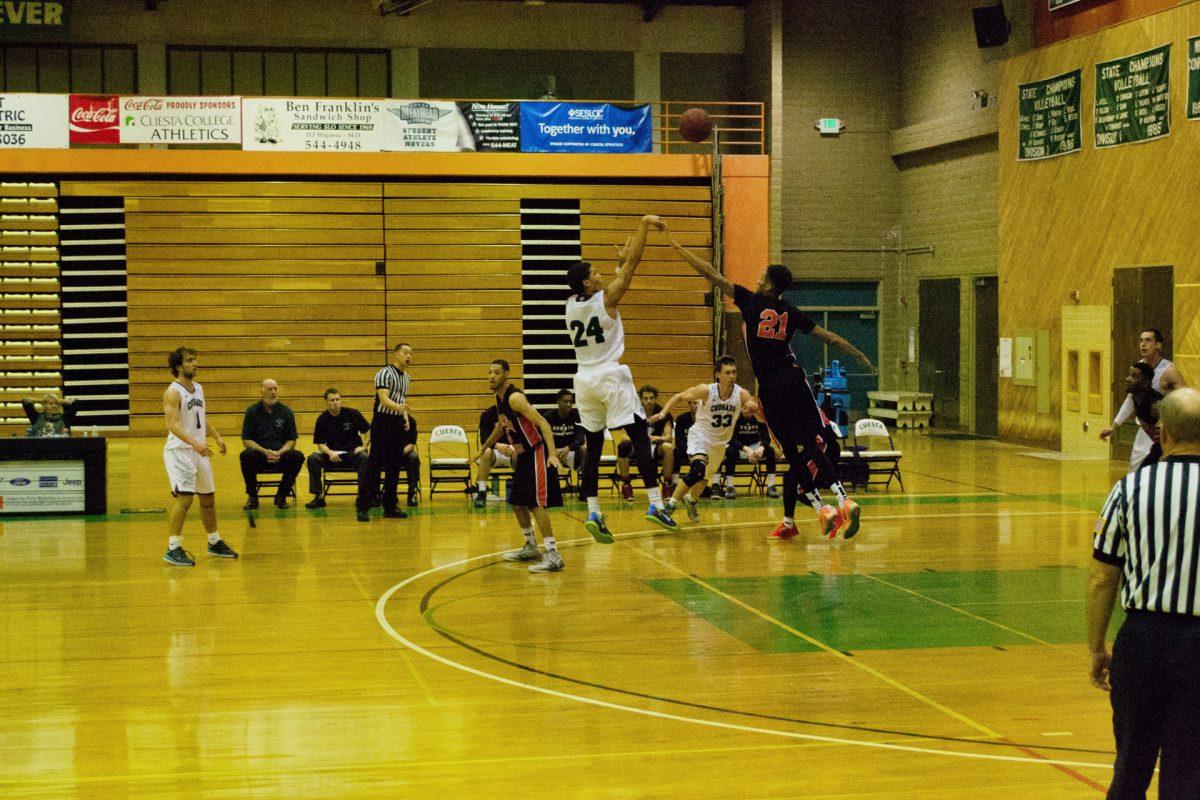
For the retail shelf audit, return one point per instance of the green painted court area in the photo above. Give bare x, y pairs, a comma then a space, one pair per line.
893, 611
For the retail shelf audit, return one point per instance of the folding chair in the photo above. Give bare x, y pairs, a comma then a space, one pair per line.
881, 463
444, 465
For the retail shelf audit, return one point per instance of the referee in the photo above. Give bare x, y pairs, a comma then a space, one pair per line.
1146, 539
388, 425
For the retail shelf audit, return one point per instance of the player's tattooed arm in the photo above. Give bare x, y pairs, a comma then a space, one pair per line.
705, 268
832, 339
628, 257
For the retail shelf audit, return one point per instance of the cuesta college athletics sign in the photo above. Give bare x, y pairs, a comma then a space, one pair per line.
27, 20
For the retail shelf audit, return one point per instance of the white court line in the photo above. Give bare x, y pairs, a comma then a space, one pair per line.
381, 617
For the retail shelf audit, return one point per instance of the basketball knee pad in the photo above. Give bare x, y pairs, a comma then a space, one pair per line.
624, 448
696, 472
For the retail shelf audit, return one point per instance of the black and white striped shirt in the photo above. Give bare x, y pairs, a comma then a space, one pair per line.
1148, 528
396, 383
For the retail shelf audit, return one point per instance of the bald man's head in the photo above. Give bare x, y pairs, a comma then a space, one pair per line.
1179, 416
270, 392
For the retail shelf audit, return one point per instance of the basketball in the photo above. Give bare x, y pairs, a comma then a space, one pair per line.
695, 125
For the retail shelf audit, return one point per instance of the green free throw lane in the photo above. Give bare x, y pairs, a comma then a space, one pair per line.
854, 612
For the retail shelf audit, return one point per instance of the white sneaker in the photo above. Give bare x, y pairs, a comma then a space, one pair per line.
551, 562
529, 552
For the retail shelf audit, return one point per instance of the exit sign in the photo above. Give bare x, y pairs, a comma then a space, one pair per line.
829, 126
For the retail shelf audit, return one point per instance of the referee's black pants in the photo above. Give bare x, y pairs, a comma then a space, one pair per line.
1155, 675
387, 456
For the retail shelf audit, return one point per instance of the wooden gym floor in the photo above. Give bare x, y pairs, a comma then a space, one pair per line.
939, 656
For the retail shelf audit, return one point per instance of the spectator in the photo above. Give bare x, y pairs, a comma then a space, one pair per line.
55, 418
752, 442
662, 446
337, 435
568, 431
269, 436
489, 458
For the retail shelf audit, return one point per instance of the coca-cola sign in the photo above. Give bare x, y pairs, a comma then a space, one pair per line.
94, 119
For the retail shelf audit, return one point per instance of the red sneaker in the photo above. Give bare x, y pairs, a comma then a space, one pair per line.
848, 520
784, 531
627, 491
829, 521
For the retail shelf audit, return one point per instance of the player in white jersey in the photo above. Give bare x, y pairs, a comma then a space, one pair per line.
186, 455
1167, 378
604, 392
721, 404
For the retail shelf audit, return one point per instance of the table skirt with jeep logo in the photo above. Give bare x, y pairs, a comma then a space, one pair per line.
53, 476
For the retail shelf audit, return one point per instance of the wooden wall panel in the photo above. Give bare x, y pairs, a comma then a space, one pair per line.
1066, 223
267, 279
30, 355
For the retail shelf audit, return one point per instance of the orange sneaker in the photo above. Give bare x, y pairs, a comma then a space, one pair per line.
848, 520
829, 520
784, 531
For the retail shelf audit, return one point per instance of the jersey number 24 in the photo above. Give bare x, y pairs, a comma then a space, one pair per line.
592, 331
772, 324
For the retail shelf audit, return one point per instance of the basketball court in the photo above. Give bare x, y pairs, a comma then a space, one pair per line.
938, 655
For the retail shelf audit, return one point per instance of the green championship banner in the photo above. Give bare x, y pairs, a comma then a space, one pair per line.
1193, 69
1049, 117
1133, 98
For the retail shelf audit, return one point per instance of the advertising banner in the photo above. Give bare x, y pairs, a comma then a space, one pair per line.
495, 126
33, 120
34, 20
585, 128
36, 486
311, 124
180, 120
1049, 117
427, 125
1133, 98
93, 119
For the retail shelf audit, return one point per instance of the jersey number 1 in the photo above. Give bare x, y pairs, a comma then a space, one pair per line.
592, 331
772, 325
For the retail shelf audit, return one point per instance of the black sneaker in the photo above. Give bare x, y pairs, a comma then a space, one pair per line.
412, 500
481, 499
179, 557
363, 516
251, 504
280, 502
222, 550
316, 502
394, 513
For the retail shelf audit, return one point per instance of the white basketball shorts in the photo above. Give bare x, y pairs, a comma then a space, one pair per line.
605, 397
188, 471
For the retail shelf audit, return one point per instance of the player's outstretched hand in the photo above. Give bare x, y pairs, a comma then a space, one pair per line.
1104, 434
653, 221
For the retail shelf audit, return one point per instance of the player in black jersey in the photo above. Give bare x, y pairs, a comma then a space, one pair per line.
786, 399
523, 435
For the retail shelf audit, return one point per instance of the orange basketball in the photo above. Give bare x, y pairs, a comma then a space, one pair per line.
695, 125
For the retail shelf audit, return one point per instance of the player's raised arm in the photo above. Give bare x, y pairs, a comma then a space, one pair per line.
629, 256
701, 266
831, 338
687, 395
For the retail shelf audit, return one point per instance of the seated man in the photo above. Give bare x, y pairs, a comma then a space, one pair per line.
568, 431
337, 436
662, 444
269, 436
752, 442
55, 418
489, 458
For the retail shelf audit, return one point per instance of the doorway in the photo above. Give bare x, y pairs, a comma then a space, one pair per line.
939, 320
987, 362
1143, 297
1086, 404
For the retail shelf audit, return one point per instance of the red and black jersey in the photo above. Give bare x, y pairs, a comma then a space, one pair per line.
770, 324
518, 431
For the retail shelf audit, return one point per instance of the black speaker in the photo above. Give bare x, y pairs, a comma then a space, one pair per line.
991, 25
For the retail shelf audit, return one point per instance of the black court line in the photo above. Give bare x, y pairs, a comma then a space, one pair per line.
428, 596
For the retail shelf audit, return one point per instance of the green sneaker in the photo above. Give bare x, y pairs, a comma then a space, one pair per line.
596, 527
